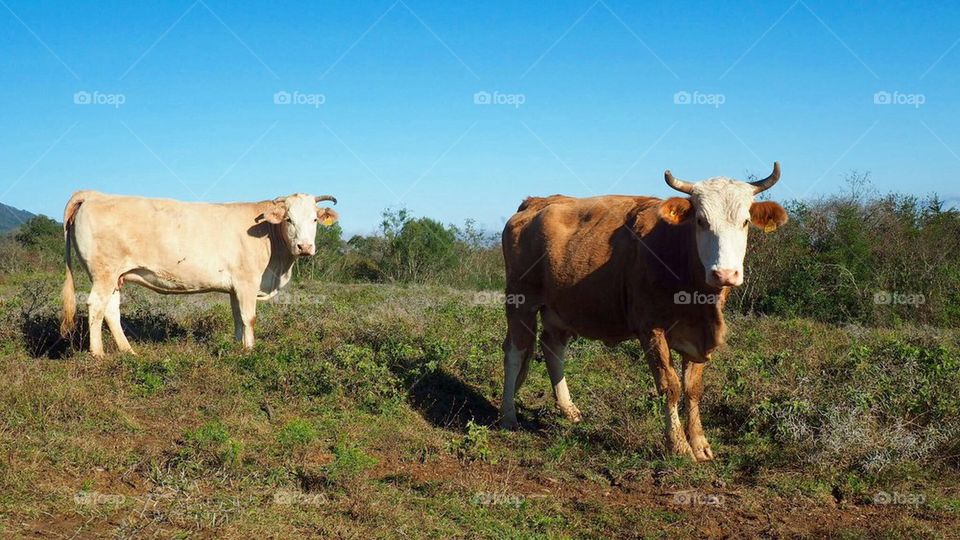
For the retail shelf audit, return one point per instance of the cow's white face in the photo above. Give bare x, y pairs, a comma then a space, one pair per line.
297, 216
722, 211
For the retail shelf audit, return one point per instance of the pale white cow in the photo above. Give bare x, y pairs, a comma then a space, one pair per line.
173, 247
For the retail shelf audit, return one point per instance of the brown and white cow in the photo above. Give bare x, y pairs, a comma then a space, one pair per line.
618, 267
173, 247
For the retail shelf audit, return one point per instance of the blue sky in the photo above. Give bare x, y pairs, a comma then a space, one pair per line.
180, 99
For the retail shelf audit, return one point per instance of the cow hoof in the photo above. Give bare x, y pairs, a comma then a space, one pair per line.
572, 413
701, 449
681, 448
509, 424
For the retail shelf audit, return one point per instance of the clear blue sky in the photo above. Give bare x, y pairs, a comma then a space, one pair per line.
398, 123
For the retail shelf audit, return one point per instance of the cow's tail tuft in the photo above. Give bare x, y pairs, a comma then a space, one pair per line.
68, 295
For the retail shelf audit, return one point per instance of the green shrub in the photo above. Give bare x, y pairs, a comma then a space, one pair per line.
348, 463
211, 444
474, 445
296, 435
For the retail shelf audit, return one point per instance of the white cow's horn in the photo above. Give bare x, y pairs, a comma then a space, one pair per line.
326, 198
768, 182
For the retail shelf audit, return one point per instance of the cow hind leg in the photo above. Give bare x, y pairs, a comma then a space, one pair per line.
112, 313
553, 343
97, 302
517, 351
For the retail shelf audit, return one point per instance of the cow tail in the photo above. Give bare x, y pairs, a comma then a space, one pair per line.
68, 295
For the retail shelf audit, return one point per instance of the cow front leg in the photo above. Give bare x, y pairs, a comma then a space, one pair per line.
237, 317
553, 343
246, 300
668, 384
692, 391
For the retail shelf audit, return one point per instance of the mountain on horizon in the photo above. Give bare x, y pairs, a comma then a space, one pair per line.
11, 218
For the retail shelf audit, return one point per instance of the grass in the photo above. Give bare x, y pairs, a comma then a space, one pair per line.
370, 410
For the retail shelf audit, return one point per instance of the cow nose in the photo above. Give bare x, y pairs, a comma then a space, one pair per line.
726, 278
306, 249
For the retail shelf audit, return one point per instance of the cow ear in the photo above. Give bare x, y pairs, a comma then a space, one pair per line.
327, 216
767, 215
676, 210
274, 215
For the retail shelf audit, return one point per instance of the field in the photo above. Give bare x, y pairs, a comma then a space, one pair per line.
369, 410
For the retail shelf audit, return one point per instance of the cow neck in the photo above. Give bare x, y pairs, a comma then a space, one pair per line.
677, 246
281, 260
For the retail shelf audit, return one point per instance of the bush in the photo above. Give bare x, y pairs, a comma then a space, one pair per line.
212, 445
296, 435
858, 258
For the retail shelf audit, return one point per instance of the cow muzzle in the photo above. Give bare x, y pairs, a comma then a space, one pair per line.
306, 249
725, 278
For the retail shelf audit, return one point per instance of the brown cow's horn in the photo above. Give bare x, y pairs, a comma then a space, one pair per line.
679, 185
768, 182
326, 198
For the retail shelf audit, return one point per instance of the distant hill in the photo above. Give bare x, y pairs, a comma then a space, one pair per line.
11, 218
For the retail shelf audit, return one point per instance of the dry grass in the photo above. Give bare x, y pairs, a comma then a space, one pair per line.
353, 418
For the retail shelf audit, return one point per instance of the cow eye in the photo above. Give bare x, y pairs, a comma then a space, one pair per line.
288, 220
746, 224
702, 223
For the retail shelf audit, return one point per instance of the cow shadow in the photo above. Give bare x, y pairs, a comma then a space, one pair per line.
42, 339
449, 403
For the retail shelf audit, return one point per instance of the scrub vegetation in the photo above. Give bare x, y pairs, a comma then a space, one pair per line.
368, 407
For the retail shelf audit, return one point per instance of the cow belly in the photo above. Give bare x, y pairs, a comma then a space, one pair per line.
169, 283
591, 325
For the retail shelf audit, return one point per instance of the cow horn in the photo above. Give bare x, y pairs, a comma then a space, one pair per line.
326, 198
768, 182
679, 185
